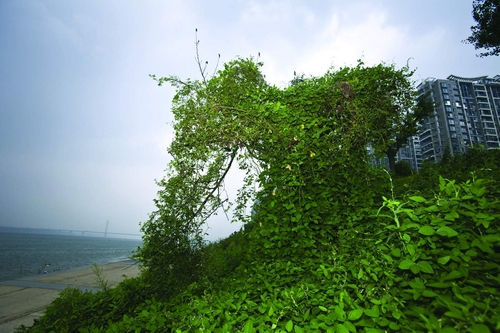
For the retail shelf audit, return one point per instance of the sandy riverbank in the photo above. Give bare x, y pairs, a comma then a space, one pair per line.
23, 300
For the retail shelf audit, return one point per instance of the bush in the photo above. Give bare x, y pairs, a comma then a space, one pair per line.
403, 169
419, 263
75, 309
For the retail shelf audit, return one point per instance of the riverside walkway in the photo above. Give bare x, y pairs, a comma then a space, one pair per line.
24, 300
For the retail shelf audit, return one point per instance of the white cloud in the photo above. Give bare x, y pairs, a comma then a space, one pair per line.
266, 13
352, 33
369, 38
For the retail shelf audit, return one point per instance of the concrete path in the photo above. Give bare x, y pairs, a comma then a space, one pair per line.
23, 300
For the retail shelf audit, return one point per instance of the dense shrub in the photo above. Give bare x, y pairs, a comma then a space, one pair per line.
403, 169
75, 309
419, 263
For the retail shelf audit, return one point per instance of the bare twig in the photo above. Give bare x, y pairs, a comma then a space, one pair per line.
216, 66
218, 182
198, 60
202, 71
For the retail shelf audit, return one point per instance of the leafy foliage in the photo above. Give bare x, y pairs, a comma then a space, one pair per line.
304, 147
425, 262
403, 168
486, 33
75, 309
333, 245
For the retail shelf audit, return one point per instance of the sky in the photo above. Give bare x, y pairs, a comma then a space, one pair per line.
84, 129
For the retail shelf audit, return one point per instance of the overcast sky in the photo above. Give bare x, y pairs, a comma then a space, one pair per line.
84, 130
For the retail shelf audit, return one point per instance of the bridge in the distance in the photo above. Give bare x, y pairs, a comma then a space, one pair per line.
83, 232
105, 232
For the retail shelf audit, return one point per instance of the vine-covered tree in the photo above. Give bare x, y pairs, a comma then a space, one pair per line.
302, 146
396, 111
486, 32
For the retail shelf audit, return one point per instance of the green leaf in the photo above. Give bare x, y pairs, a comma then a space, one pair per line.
454, 314
426, 230
396, 252
478, 191
396, 314
446, 231
393, 326
471, 253
372, 330
298, 329
453, 275
417, 284
439, 284
350, 326
418, 198
307, 314
432, 208
480, 328
492, 238
451, 216
415, 269
248, 327
444, 260
339, 328
355, 314
411, 249
448, 330
429, 293
373, 312
340, 313
406, 264
270, 312
360, 273
289, 326
425, 267
322, 308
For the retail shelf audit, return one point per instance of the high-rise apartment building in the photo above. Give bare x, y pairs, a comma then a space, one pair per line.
411, 153
467, 113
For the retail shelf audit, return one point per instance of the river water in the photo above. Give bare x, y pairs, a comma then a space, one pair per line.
23, 254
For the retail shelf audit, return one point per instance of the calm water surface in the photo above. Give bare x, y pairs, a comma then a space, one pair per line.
23, 255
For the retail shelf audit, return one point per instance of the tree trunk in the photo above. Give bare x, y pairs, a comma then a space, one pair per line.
391, 156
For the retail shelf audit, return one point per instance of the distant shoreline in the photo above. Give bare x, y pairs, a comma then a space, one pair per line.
66, 232
34, 277
26, 255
